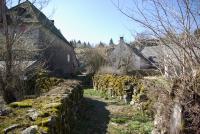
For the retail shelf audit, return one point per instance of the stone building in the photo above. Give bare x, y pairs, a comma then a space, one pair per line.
128, 57
152, 54
40, 38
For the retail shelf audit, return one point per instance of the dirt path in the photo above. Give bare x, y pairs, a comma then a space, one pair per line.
105, 116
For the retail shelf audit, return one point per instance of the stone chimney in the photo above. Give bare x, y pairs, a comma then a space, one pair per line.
121, 40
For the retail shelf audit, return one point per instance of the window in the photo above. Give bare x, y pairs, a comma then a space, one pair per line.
68, 58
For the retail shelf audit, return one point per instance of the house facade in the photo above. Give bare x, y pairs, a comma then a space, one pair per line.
41, 40
122, 57
128, 56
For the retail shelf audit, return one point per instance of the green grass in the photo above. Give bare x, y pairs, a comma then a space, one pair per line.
139, 123
120, 120
141, 128
91, 92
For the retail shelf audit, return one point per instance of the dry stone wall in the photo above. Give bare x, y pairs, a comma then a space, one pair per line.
177, 111
53, 113
123, 86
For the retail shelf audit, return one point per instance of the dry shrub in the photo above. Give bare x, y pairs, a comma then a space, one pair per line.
185, 93
144, 72
191, 105
110, 70
94, 59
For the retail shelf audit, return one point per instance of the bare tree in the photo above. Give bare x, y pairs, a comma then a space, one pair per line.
173, 23
5, 83
16, 50
94, 59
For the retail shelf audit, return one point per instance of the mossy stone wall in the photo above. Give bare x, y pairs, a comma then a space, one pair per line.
115, 85
40, 82
53, 113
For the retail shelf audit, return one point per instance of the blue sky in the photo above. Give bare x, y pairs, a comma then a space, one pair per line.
97, 20
90, 20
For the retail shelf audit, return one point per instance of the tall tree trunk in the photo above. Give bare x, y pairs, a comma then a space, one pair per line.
8, 92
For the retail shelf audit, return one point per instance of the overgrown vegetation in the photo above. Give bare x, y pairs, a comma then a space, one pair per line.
139, 123
124, 119
40, 82
114, 85
92, 59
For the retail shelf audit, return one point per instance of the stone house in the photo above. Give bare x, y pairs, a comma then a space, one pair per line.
129, 57
44, 42
149, 54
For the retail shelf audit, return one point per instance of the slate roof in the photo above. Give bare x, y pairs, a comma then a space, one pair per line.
136, 51
43, 20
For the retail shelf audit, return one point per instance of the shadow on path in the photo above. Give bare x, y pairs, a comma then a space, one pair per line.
93, 119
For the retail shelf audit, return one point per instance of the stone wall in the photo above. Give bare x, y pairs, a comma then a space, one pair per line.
177, 110
123, 86
55, 112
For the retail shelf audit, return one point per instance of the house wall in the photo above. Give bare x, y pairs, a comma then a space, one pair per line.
60, 57
166, 57
37, 40
26, 38
34, 37
121, 54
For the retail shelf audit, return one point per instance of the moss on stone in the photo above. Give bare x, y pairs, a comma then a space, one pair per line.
22, 104
42, 121
115, 84
53, 104
44, 129
42, 82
